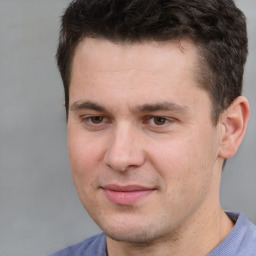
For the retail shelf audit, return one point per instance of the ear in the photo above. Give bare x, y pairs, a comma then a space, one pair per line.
233, 122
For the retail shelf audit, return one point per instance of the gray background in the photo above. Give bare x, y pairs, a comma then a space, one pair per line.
39, 209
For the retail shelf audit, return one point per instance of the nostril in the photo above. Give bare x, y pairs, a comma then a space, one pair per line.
125, 161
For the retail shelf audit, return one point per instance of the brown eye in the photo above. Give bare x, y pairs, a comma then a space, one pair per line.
97, 119
159, 120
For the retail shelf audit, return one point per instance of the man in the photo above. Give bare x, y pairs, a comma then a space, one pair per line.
154, 107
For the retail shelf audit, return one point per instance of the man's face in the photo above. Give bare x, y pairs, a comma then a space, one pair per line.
143, 150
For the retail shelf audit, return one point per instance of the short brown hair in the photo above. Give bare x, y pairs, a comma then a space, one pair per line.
217, 27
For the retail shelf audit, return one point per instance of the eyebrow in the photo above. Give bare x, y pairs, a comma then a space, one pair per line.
163, 106
78, 105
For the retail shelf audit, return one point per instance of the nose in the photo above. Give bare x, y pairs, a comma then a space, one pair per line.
125, 150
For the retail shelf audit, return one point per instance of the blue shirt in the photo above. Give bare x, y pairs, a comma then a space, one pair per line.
241, 241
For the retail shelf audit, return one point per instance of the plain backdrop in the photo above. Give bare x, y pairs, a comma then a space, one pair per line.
39, 209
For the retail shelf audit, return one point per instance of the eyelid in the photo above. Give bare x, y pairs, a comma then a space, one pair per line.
87, 120
168, 120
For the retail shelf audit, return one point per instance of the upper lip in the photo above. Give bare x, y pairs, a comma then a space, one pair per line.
126, 188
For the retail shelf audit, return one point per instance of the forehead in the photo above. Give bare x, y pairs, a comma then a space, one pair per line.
147, 71
146, 54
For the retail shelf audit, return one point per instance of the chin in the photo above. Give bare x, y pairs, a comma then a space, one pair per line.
130, 236
137, 232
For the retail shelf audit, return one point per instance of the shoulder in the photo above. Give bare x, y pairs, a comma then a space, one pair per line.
240, 241
248, 246
95, 245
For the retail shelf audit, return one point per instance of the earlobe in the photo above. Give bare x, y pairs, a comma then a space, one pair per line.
233, 121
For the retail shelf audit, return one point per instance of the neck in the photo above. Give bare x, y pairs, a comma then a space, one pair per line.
198, 237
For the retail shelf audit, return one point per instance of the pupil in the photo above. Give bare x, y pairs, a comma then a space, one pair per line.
159, 120
97, 119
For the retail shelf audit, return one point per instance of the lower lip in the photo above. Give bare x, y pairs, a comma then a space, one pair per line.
126, 198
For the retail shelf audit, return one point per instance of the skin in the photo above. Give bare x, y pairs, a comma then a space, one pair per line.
138, 116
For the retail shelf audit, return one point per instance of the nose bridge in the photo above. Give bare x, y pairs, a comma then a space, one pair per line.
124, 148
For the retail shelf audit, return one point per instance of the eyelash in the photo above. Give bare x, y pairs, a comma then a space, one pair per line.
88, 120
160, 118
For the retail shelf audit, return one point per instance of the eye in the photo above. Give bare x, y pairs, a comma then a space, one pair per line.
158, 120
96, 119
95, 123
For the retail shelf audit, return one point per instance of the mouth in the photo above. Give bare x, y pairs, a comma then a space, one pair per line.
126, 195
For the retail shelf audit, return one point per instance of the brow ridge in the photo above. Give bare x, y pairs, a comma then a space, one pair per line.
163, 106
80, 105
150, 107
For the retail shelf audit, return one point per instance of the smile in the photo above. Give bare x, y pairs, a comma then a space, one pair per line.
126, 195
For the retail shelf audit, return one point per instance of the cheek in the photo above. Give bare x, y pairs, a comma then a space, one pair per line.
84, 150
183, 161
186, 177
83, 173
84, 159
172, 154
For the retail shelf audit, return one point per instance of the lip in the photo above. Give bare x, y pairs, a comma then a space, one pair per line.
126, 195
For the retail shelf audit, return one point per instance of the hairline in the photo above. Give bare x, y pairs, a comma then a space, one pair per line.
200, 65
